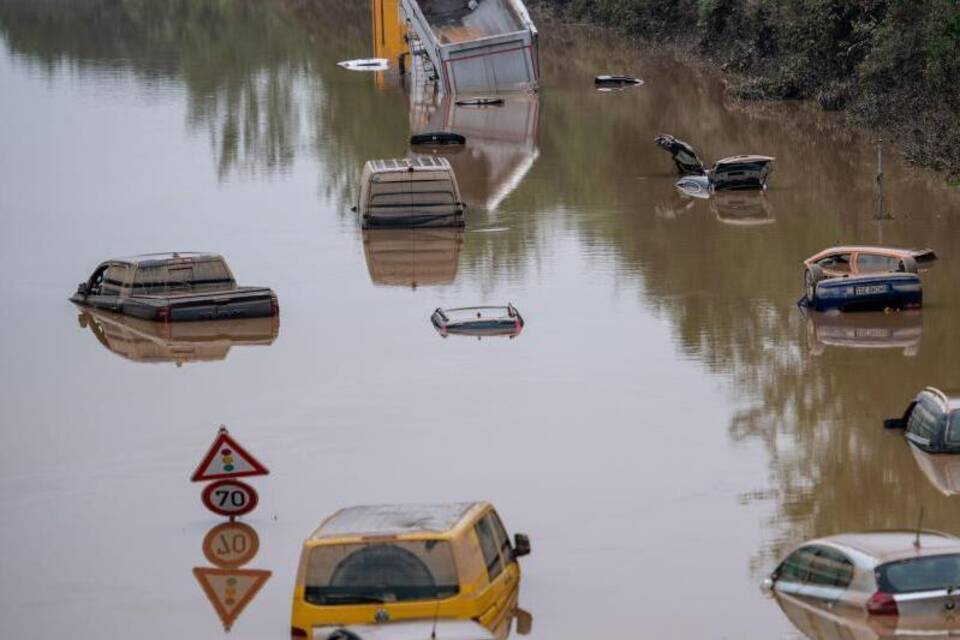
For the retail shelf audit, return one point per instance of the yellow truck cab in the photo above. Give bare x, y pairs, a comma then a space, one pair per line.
377, 564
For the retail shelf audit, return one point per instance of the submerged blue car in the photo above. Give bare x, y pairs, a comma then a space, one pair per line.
865, 293
864, 279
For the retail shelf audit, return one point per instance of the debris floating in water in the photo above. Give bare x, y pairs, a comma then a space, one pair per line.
482, 101
438, 138
616, 82
366, 64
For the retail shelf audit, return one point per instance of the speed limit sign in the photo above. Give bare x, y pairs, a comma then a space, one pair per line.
230, 498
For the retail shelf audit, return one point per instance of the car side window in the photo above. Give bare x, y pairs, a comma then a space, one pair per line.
96, 280
503, 541
796, 566
876, 263
836, 262
488, 545
831, 568
114, 279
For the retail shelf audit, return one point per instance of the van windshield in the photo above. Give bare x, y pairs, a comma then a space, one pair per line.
920, 574
923, 419
953, 432
394, 571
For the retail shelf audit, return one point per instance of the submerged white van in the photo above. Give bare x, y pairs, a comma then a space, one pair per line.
410, 192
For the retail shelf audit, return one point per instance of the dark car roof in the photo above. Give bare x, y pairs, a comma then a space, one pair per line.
168, 256
950, 397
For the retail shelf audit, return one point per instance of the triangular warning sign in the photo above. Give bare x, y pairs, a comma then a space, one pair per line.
230, 590
227, 459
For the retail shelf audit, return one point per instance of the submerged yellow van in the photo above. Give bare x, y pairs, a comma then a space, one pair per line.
376, 564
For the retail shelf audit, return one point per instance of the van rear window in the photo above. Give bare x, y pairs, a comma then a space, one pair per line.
920, 574
394, 571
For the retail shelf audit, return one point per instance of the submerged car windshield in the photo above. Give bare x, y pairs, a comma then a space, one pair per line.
920, 574
953, 432
395, 571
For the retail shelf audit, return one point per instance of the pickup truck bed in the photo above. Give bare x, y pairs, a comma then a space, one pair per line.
240, 302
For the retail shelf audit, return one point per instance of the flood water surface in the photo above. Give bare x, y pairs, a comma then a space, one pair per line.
665, 427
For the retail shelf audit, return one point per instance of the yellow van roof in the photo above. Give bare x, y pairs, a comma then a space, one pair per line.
393, 520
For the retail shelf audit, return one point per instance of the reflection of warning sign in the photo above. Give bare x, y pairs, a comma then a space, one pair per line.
231, 544
230, 590
227, 459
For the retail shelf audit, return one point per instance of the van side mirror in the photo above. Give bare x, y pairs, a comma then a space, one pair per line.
524, 621
894, 423
521, 545
766, 587
83, 289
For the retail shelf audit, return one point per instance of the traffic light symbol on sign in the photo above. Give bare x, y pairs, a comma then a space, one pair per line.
227, 459
230, 590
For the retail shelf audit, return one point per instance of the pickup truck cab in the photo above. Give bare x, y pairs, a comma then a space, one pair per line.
173, 287
377, 564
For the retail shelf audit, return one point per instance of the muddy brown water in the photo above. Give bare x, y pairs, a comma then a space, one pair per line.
666, 425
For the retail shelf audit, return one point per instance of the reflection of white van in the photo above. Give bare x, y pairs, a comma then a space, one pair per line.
410, 192
408, 630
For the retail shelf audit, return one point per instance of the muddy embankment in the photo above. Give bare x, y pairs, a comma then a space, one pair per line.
891, 65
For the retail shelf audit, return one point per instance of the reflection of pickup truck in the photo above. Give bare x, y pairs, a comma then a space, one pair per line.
174, 287
145, 341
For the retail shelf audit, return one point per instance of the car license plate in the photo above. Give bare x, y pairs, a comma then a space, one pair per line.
866, 291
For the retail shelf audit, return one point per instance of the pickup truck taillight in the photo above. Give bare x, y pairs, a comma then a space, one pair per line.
274, 305
882, 604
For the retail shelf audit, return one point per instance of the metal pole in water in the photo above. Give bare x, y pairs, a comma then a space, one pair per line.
879, 212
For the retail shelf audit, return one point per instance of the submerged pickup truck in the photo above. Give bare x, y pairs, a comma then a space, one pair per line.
174, 287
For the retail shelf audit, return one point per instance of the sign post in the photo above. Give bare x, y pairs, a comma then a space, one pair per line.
223, 462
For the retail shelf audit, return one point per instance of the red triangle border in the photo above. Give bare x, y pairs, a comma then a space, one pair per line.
223, 438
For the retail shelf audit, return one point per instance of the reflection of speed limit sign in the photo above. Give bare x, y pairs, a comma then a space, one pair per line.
231, 544
230, 498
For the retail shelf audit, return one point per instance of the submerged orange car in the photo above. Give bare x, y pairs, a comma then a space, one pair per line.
852, 260
862, 278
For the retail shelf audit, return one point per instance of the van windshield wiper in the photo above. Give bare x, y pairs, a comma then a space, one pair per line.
360, 597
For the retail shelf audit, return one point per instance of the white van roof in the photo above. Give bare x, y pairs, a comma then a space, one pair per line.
393, 519
419, 163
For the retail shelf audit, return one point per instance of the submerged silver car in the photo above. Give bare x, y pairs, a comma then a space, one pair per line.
876, 576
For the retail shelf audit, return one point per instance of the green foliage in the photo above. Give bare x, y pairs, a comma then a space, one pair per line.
893, 63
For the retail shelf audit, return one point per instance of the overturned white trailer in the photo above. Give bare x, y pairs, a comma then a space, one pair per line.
475, 46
